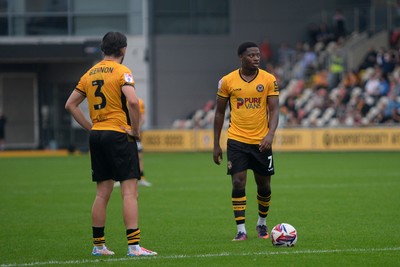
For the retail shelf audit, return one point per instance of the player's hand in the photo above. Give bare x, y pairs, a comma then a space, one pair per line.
131, 132
266, 143
217, 155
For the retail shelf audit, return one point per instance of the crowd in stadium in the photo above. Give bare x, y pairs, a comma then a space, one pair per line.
317, 90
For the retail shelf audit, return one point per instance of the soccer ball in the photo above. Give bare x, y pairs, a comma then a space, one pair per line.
283, 235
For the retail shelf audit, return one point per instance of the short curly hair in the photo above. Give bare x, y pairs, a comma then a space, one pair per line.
112, 43
243, 47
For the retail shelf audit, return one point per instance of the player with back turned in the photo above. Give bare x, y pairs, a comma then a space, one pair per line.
253, 98
114, 111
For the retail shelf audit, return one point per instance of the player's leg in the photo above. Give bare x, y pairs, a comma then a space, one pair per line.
128, 174
262, 165
239, 203
130, 203
263, 199
103, 193
130, 210
143, 181
237, 168
130, 213
104, 186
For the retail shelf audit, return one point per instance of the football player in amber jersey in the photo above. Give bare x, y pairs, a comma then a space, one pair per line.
114, 112
143, 181
253, 98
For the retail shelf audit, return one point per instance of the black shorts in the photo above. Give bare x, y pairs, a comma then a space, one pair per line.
113, 156
243, 156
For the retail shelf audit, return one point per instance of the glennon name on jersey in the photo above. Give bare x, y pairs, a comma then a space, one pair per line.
102, 70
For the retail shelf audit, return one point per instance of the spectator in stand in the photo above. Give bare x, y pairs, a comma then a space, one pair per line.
362, 107
387, 62
286, 59
384, 86
321, 99
377, 85
307, 64
319, 102
372, 86
392, 110
336, 67
370, 59
313, 33
285, 54
266, 53
343, 96
351, 79
290, 112
324, 34
395, 38
340, 103
339, 21
320, 79
395, 85
355, 110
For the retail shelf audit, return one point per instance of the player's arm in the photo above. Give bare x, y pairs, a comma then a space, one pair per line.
218, 123
273, 119
72, 105
133, 109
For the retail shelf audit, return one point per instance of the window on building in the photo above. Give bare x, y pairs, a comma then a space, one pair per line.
70, 17
191, 17
3, 17
96, 6
98, 25
46, 5
46, 25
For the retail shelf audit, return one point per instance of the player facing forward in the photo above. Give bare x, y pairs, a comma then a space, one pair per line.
114, 112
143, 181
253, 98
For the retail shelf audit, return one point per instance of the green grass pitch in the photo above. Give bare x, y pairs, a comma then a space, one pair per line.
345, 207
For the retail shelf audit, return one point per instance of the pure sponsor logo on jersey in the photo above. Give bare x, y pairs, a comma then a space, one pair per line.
102, 70
128, 77
237, 89
249, 102
219, 84
260, 88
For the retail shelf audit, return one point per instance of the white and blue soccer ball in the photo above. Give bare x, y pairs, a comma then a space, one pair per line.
283, 235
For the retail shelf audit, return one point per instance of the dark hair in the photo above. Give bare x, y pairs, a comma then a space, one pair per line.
112, 43
244, 46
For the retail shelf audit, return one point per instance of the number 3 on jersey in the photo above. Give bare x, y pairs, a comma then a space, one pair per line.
98, 93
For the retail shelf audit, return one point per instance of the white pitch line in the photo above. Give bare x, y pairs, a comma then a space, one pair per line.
280, 251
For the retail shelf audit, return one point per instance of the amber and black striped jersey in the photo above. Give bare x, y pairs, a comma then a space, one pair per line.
248, 104
102, 86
